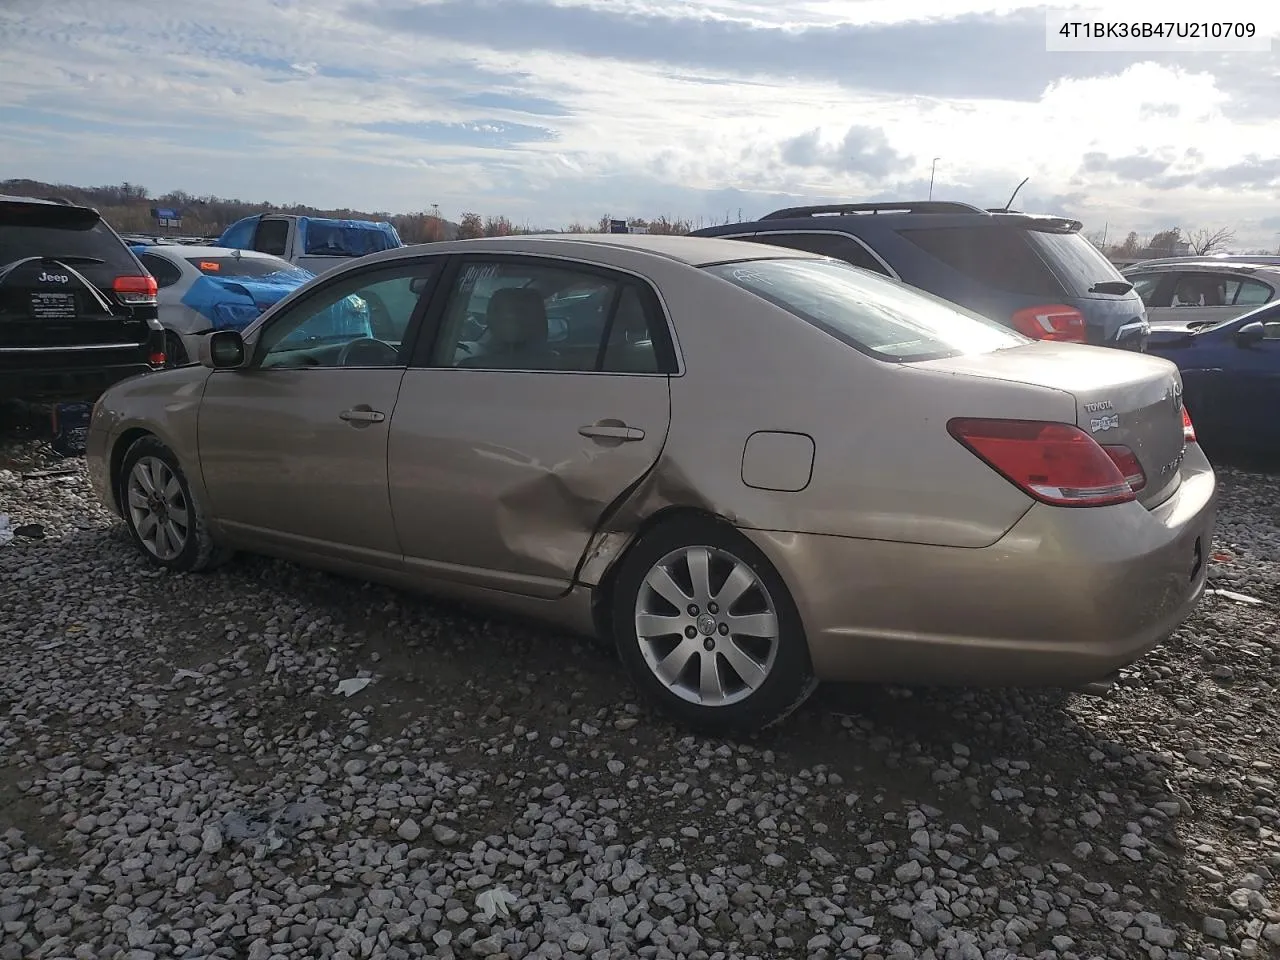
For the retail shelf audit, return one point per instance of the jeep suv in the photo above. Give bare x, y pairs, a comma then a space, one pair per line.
1036, 274
77, 310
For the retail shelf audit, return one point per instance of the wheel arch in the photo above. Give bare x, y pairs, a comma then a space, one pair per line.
602, 592
118, 452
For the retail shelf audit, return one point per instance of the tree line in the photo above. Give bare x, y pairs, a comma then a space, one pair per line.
1200, 242
128, 208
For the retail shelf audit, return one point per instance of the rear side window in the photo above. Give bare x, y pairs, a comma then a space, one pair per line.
836, 245
999, 257
166, 273
72, 234
878, 316
1079, 262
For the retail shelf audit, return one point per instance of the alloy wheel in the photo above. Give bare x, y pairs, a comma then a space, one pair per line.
158, 508
707, 626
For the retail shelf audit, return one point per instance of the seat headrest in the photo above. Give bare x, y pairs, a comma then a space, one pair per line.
517, 316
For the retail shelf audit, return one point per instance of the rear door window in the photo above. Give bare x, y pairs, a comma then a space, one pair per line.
999, 257
837, 245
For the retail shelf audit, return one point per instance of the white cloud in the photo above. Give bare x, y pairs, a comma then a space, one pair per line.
293, 101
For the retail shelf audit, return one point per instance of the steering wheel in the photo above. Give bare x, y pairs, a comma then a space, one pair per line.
368, 353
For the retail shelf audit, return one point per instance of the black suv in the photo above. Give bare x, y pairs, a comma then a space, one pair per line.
1034, 273
78, 311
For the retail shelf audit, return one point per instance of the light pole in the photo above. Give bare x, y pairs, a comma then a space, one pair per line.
932, 170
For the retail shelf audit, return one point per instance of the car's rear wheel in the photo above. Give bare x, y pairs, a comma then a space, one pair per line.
708, 630
165, 519
175, 354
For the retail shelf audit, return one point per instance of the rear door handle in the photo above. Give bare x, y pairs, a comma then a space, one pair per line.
356, 415
607, 431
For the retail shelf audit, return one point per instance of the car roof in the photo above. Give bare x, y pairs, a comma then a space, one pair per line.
934, 213
694, 251
1205, 266
42, 202
183, 251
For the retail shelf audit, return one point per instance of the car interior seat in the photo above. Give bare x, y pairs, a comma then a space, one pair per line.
517, 333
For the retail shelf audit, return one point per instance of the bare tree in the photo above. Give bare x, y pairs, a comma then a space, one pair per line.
1205, 241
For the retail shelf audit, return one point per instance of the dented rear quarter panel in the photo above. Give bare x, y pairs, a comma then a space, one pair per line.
884, 467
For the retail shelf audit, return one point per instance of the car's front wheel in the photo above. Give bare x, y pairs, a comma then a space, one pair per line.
165, 519
708, 630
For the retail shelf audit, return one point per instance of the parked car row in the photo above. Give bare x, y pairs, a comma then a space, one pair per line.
610, 433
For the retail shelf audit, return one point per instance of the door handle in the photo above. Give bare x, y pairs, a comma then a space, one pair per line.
356, 415
611, 431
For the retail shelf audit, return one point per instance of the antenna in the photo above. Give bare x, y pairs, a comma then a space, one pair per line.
1005, 208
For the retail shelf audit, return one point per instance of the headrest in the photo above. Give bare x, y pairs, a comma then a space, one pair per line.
517, 316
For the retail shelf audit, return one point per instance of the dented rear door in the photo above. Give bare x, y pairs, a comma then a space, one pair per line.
499, 477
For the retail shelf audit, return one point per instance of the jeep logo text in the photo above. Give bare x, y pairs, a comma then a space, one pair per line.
47, 277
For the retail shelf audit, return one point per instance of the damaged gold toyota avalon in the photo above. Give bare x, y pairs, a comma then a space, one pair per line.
750, 468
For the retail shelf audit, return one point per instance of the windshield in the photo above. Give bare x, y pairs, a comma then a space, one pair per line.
246, 267
1082, 264
881, 317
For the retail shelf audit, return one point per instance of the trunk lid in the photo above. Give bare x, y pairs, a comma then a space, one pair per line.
1120, 398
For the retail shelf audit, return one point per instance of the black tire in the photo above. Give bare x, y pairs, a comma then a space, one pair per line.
789, 680
198, 550
175, 354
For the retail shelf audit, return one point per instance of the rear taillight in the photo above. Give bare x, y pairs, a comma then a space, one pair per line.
135, 291
1188, 428
1127, 461
1055, 463
156, 359
1056, 322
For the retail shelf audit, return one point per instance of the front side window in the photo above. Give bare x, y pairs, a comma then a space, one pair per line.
539, 315
1252, 293
358, 321
878, 316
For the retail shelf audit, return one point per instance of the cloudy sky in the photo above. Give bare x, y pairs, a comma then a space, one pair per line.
550, 111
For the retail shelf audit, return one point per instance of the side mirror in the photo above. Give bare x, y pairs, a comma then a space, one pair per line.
1251, 334
223, 350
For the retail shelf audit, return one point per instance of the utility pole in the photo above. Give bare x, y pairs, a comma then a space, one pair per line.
932, 170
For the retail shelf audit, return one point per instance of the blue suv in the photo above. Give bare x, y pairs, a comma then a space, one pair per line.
1034, 273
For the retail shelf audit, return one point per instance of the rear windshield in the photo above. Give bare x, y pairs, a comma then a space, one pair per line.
879, 316
243, 266
72, 234
999, 257
1079, 262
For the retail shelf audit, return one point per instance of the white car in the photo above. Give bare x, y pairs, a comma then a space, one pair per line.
213, 288
1203, 291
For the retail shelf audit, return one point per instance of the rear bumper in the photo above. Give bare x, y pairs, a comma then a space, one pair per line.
1066, 597
49, 381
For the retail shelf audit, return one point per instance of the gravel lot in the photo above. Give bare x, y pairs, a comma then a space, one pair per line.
179, 778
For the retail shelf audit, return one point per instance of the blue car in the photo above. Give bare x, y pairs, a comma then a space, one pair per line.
1230, 375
